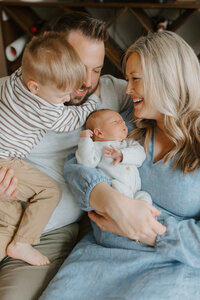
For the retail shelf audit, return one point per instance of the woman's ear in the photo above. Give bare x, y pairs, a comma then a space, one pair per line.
33, 86
98, 133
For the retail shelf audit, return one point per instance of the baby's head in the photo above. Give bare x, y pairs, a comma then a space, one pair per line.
51, 69
107, 125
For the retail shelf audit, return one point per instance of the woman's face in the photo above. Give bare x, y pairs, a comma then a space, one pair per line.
135, 88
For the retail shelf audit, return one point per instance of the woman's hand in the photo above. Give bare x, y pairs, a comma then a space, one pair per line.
124, 216
8, 184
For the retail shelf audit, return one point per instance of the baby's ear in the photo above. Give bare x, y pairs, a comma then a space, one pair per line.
33, 86
98, 133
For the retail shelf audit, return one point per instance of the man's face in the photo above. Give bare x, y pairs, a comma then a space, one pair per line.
92, 54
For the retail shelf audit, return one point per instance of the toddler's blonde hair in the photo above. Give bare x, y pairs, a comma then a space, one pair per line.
50, 59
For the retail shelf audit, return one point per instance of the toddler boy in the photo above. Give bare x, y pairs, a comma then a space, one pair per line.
32, 102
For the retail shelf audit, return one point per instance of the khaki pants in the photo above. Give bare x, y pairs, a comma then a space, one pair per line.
41, 194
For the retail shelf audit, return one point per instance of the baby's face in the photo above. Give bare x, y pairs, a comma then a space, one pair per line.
113, 126
52, 94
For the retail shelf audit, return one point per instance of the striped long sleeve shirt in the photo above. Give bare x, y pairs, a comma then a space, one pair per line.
25, 117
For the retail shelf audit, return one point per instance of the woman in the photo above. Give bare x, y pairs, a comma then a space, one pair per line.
163, 77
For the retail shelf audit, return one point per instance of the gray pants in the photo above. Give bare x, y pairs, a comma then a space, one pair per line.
18, 280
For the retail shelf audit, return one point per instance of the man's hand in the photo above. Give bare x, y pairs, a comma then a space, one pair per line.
113, 153
86, 133
8, 184
116, 213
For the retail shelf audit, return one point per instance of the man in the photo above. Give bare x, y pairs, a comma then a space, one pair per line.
17, 279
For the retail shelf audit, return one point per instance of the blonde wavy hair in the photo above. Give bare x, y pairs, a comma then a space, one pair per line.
171, 78
50, 59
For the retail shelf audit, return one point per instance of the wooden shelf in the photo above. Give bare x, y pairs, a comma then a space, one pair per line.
186, 15
114, 53
11, 31
92, 3
23, 18
143, 18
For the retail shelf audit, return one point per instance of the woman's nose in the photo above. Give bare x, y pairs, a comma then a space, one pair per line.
128, 88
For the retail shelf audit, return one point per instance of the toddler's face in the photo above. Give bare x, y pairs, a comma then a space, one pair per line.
52, 94
113, 126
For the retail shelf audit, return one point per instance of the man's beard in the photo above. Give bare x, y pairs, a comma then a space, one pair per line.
78, 100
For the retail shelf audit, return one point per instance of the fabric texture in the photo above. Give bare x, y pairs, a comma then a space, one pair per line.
120, 268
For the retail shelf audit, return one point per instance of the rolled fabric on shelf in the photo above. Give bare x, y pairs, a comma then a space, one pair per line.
14, 50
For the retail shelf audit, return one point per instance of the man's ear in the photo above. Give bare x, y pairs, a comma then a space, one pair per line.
33, 86
98, 133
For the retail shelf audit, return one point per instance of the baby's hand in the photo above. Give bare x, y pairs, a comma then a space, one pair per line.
86, 133
113, 153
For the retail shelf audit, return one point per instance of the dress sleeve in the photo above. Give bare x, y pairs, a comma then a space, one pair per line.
181, 241
82, 180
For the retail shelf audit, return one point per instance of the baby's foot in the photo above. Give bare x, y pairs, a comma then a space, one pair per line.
26, 253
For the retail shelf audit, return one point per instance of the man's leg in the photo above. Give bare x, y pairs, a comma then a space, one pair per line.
18, 280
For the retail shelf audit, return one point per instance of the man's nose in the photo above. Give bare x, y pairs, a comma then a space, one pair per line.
88, 78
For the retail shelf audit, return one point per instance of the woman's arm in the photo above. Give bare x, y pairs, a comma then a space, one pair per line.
124, 216
109, 209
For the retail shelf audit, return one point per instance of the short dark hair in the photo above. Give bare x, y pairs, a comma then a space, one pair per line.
89, 26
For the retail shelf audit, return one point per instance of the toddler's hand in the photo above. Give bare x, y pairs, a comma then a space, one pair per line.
113, 153
8, 184
86, 133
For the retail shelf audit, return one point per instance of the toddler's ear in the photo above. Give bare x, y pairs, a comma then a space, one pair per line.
33, 86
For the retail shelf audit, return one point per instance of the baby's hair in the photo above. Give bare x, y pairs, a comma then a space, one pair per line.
50, 59
93, 118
